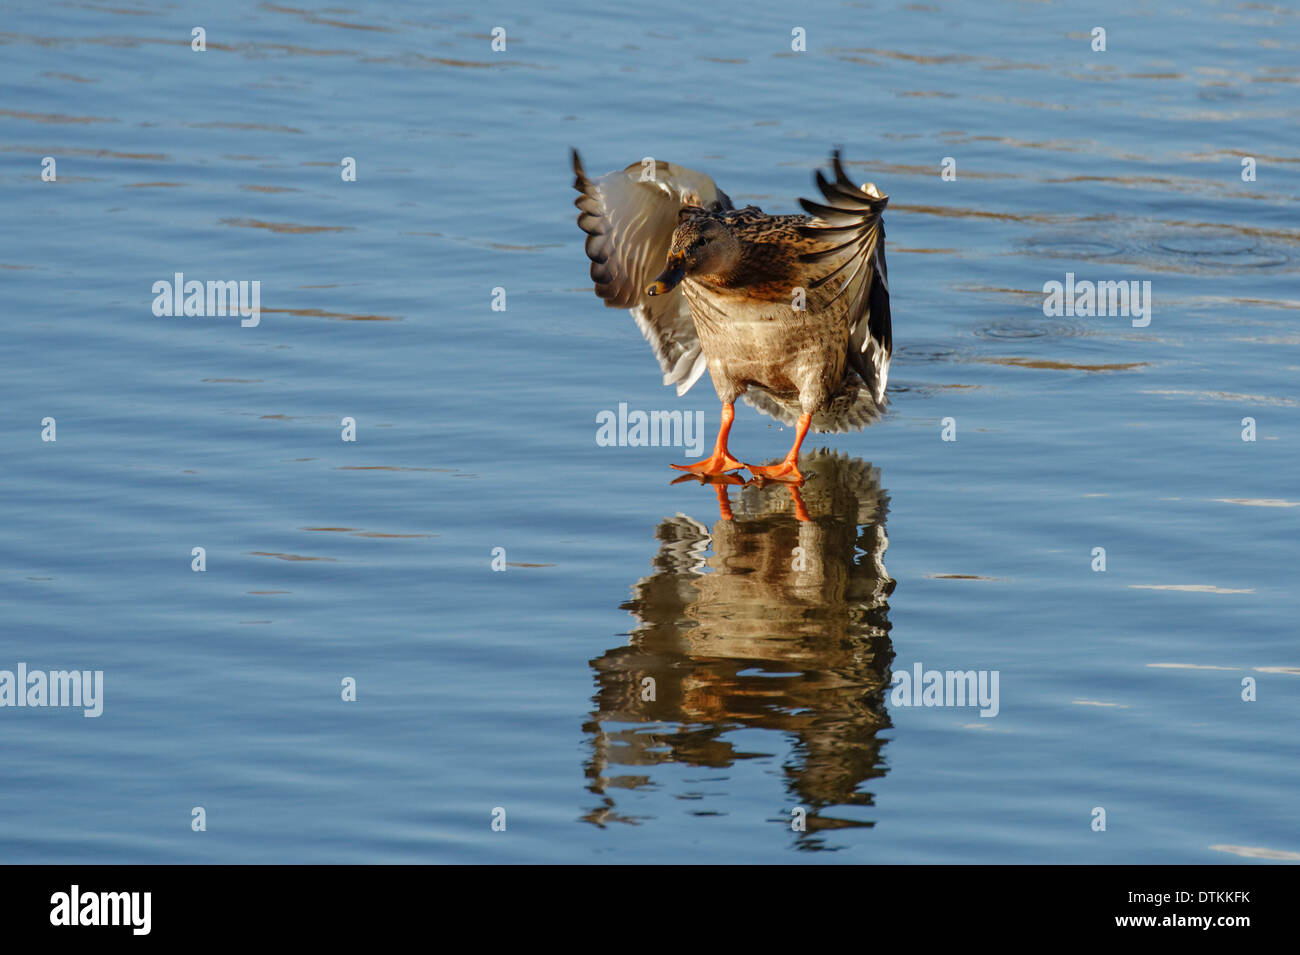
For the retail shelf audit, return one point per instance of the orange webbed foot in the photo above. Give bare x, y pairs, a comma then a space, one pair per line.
721, 479
787, 472
715, 465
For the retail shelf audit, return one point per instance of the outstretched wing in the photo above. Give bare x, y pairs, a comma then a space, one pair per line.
849, 241
629, 217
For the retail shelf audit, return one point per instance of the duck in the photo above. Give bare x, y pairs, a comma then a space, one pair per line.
788, 312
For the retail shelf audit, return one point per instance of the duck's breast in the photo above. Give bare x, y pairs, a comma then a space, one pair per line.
769, 343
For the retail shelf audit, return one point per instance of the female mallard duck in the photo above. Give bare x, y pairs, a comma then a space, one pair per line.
790, 312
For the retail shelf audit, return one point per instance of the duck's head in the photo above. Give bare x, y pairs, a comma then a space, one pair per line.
702, 245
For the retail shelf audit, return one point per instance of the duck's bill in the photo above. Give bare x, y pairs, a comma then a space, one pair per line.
668, 280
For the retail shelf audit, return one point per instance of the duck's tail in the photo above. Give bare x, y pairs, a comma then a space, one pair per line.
853, 407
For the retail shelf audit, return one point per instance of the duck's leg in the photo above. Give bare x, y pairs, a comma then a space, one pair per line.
721, 461
800, 512
724, 503
788, 469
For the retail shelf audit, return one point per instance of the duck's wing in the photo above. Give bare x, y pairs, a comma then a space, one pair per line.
847, 239
629, 217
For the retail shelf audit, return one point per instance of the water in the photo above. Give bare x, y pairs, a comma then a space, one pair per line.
475, 428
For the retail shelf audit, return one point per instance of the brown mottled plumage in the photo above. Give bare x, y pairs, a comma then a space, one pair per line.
789, 312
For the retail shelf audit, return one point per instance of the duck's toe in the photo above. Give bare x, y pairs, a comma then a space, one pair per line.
718, 479
714, 465
786, 472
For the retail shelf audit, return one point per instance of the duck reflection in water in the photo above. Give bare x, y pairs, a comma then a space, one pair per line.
784, 627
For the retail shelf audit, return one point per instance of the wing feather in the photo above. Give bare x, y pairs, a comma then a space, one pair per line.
629, 216
848, 238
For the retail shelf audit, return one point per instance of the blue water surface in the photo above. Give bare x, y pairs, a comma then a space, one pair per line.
521, 693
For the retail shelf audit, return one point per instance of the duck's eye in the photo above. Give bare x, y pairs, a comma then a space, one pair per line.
698, 243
